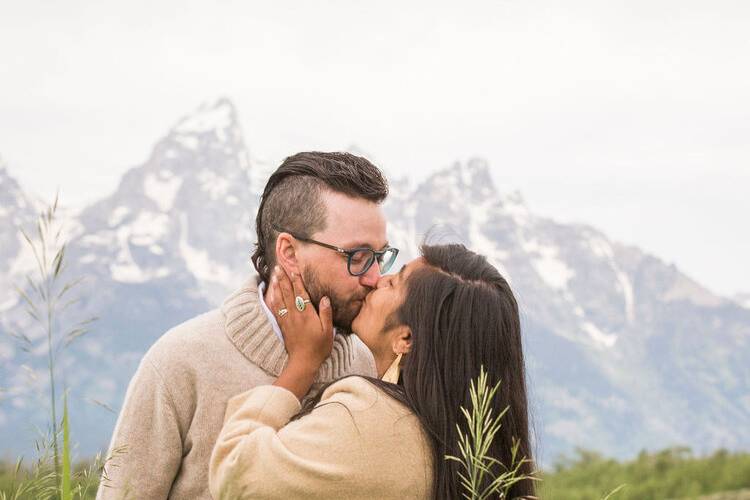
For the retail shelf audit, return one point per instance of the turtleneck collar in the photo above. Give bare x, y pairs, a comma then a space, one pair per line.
247, 326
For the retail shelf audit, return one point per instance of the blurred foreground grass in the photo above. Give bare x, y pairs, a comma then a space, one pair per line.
40, 483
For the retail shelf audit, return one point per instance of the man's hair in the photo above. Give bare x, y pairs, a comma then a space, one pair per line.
293, 200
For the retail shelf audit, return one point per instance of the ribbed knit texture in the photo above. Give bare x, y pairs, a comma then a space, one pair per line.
175, 403
248, 328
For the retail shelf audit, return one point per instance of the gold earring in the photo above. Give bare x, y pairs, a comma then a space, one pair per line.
392, 373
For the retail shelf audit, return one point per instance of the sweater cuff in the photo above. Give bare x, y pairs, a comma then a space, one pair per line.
269, 404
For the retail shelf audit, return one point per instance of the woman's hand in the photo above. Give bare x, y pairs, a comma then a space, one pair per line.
308, 337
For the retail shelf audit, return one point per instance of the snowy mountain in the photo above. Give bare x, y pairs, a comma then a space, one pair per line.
625, 352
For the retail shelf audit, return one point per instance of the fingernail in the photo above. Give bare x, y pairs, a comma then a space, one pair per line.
325, 301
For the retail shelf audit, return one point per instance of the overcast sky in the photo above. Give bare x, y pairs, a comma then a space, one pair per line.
633, 116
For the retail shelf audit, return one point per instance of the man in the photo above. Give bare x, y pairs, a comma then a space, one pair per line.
319, 217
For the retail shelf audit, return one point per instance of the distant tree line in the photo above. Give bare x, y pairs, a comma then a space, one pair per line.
671, 473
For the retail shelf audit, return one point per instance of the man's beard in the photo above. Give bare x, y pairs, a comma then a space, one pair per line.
345, 309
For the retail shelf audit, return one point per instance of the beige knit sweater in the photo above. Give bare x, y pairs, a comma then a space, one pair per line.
358, 443
176, 401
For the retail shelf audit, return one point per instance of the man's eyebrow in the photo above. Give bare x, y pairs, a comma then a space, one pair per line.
362, 245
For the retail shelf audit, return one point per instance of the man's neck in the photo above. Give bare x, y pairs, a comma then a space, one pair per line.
266, 299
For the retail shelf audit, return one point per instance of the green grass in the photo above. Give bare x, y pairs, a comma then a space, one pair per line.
32, 483
668, 474
672, 473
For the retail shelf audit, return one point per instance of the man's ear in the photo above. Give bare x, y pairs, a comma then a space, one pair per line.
286, 253
402, 340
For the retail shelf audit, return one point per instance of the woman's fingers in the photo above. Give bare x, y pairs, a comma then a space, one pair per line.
285, 287
276, 300
326, 315
299, 287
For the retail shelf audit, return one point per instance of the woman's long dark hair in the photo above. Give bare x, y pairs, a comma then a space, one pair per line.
462, 315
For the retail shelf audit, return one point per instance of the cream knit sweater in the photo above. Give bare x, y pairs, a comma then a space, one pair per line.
175, 404
358, 443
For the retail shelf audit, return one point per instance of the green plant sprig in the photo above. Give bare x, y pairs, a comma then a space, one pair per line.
477, 466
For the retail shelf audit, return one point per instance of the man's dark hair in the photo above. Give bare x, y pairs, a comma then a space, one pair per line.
292, 198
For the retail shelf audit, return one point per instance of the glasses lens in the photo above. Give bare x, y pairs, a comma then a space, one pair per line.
360, 261
386, 260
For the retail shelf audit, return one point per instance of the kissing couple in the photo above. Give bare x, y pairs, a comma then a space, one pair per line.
324, 375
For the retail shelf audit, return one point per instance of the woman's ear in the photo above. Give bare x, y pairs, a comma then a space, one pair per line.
402, 340
286, 253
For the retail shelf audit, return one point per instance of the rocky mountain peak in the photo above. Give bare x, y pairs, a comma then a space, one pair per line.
461, 182
212, 129
209, 116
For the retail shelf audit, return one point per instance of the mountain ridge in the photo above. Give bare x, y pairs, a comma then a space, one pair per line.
608, 327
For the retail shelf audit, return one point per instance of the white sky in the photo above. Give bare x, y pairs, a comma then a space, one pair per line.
633, 116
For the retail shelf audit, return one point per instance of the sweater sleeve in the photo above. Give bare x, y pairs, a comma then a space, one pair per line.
146, 448
259, 454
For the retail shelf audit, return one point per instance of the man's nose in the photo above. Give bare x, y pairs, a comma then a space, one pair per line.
371, 277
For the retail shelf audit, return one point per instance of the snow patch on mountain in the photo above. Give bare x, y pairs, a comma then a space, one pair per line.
199, 262
515, 206
600, 338
548, 265
144, 231
162, 189
118, 214
125, 270
213, 184
189, 142
603, 249
208, 118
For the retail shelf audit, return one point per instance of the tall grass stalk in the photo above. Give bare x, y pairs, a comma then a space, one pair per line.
46, 296
65, 491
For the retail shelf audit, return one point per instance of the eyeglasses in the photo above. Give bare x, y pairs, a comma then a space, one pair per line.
359, 260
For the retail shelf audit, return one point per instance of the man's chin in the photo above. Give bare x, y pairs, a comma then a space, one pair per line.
345, 321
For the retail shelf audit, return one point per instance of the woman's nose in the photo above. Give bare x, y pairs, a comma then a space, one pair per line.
371, 277
382, 281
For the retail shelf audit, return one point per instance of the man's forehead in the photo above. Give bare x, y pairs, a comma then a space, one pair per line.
354, 233
354, 222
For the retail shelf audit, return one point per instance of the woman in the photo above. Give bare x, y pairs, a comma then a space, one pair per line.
430, 328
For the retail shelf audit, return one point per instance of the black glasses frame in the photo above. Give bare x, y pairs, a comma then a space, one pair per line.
349, 253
